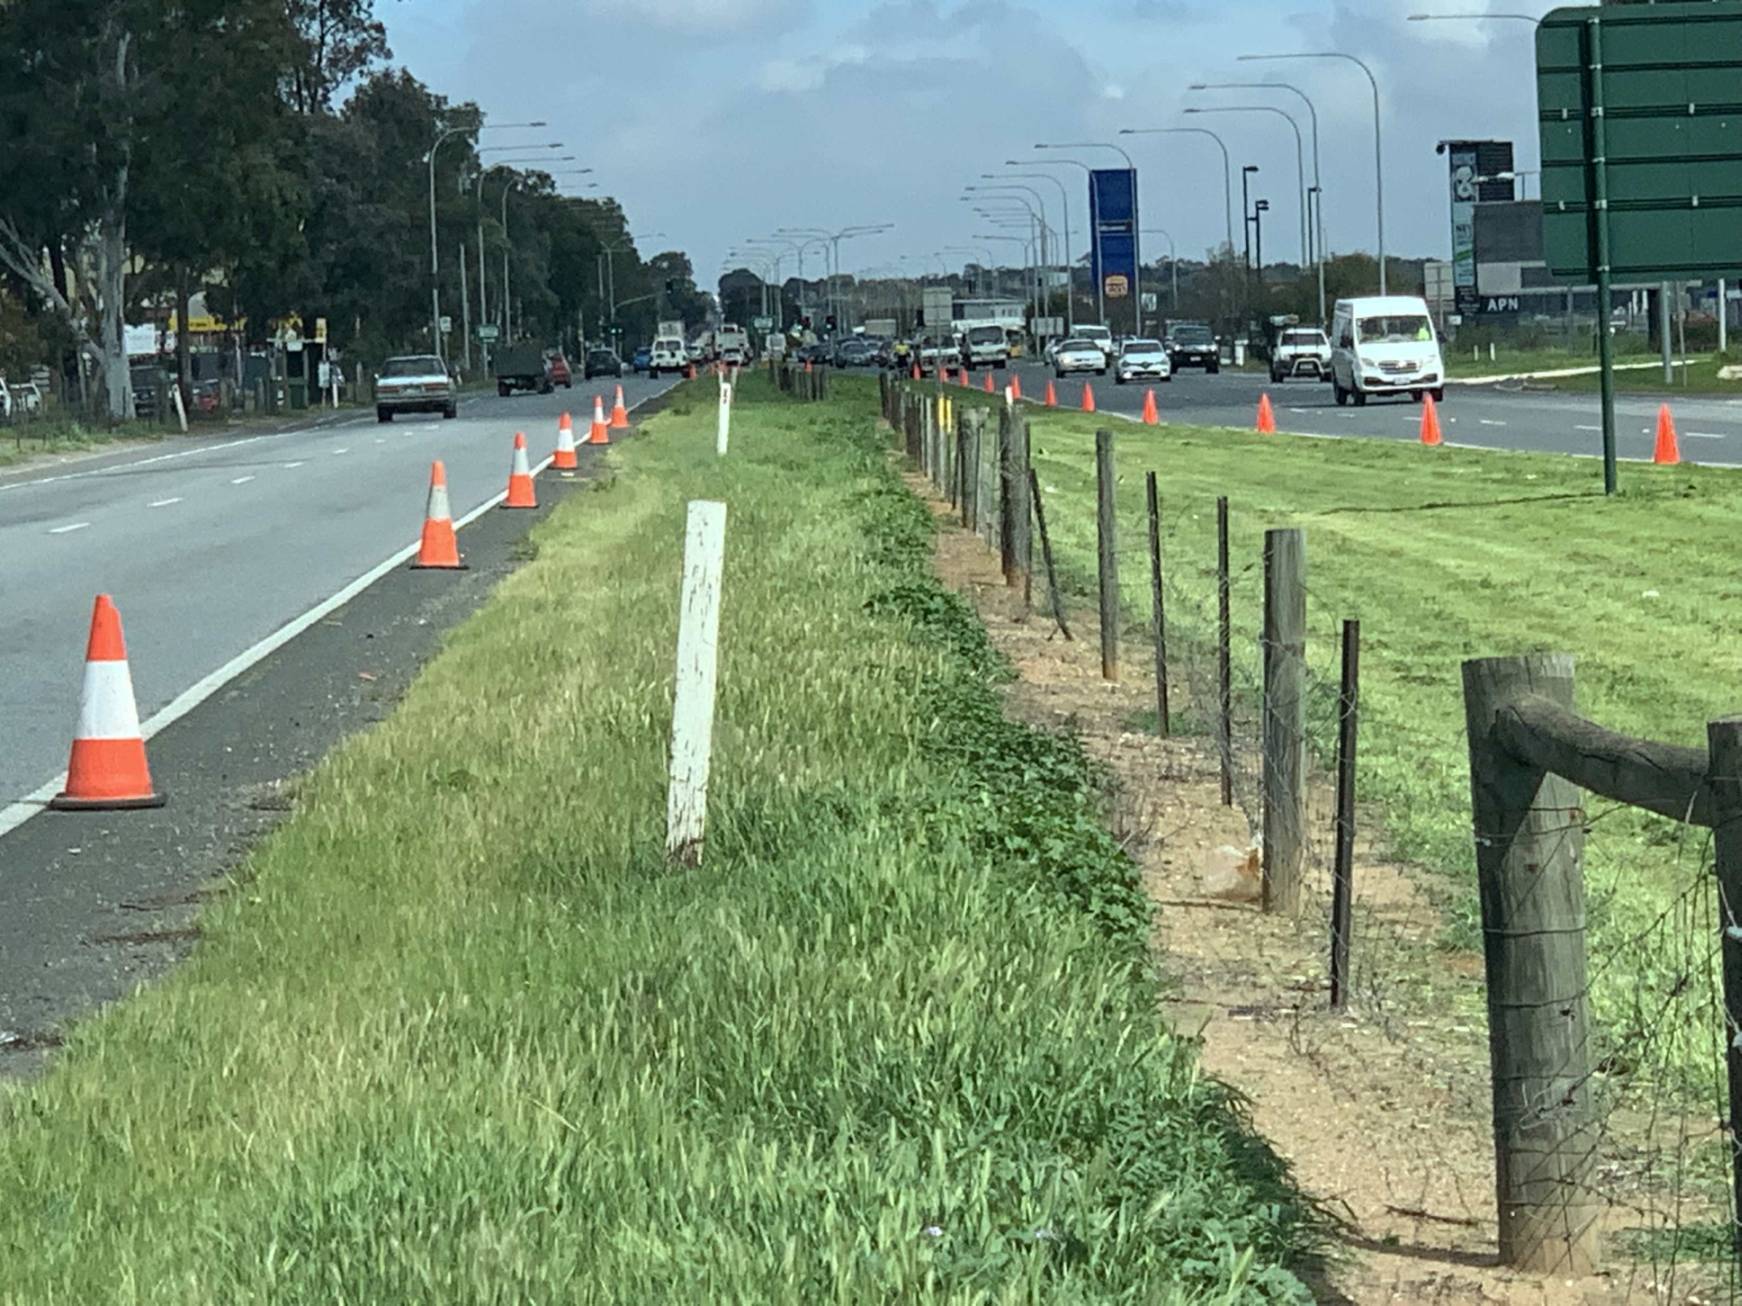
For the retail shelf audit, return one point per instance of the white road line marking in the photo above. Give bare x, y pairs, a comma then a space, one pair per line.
1489, 421
164, 503
1705, 435
62, 530
17, 813
337, 452
1587, 428
240, 480
292, 466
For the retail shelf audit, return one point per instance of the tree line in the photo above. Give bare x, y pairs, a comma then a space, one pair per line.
267, 154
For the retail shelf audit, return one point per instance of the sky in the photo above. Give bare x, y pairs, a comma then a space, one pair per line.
712, 121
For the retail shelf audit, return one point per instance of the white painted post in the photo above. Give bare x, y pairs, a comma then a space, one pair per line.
725, 428
1723, 315
698, 644
181, 412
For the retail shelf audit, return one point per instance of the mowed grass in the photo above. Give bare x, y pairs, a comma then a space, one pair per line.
1443, 555
460, 1035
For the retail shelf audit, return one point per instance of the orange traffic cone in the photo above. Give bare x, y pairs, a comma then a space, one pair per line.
807, 365
989, 388
1266, 417
1052, 398
1668, 452
439, 548
915, 371
962, 376
564, 459
598, 435
619, 414
1150, 416
689, 372
1430, 421
1088, 397
520, 491
107, 771
1016, 385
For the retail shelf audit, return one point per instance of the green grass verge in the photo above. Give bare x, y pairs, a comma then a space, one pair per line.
1447, 554
461, 1036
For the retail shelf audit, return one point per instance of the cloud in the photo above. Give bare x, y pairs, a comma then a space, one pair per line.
693, 17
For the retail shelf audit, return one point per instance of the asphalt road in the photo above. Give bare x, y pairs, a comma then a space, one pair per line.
213, 545
1483, 417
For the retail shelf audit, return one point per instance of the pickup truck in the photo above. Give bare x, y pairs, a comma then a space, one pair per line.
1191, 344
520, 367
1301, 351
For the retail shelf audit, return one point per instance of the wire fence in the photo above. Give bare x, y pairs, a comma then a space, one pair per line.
1640, 1173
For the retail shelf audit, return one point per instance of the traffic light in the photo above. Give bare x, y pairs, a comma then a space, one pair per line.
807, 322
830, 320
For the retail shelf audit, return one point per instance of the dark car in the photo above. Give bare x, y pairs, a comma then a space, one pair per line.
641, 359
854, 352
148, 380
556, 367
818, 353
1192, 344
603, 362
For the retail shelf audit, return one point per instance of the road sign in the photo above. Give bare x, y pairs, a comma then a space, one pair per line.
1150, 301
1113, 255
1639, 115
762, 323
447, 324
488, 332
320, 331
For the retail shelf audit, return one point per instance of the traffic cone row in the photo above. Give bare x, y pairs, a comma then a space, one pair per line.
107, 768
1052, 398
990, 389
1016, 384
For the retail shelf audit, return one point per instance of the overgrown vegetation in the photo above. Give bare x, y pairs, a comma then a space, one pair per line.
460, 1035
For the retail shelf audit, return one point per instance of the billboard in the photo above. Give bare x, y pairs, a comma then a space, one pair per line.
1475, 167
1113, 253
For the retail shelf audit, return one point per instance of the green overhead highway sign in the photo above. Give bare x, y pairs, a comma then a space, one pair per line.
1667, 79
1641, 121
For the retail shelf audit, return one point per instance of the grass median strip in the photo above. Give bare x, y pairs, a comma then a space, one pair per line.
460, 1035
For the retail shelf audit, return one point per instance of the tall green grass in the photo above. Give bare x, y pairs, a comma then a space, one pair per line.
459, 1035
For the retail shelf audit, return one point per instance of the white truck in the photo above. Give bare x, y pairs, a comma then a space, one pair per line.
985, 344
668, 353
732, 344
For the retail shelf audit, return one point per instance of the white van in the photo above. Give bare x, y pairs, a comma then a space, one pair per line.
669, 355
1385, 345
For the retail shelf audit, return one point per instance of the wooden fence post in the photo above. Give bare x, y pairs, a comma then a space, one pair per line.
964, 470
1343, 871
1107, 553
1021, 539
1052, 580
1224, 657
692, 715
1157, 607
1284, 717
1529, 827
1724, 781
1006, 495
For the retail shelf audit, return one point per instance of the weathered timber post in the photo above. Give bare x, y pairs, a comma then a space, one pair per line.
1529, 827
1052, 580
1224, 657
1006, 494
1021, 538
1158, 610
1284, 717
1107, 553
1724, 783
1343, 869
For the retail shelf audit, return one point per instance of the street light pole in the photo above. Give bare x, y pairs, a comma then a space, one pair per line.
1067, 260
1316, 225
995, 176
1378, 145
1299, 155
1172, 259
435, 294
1088, 172
1227, 166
